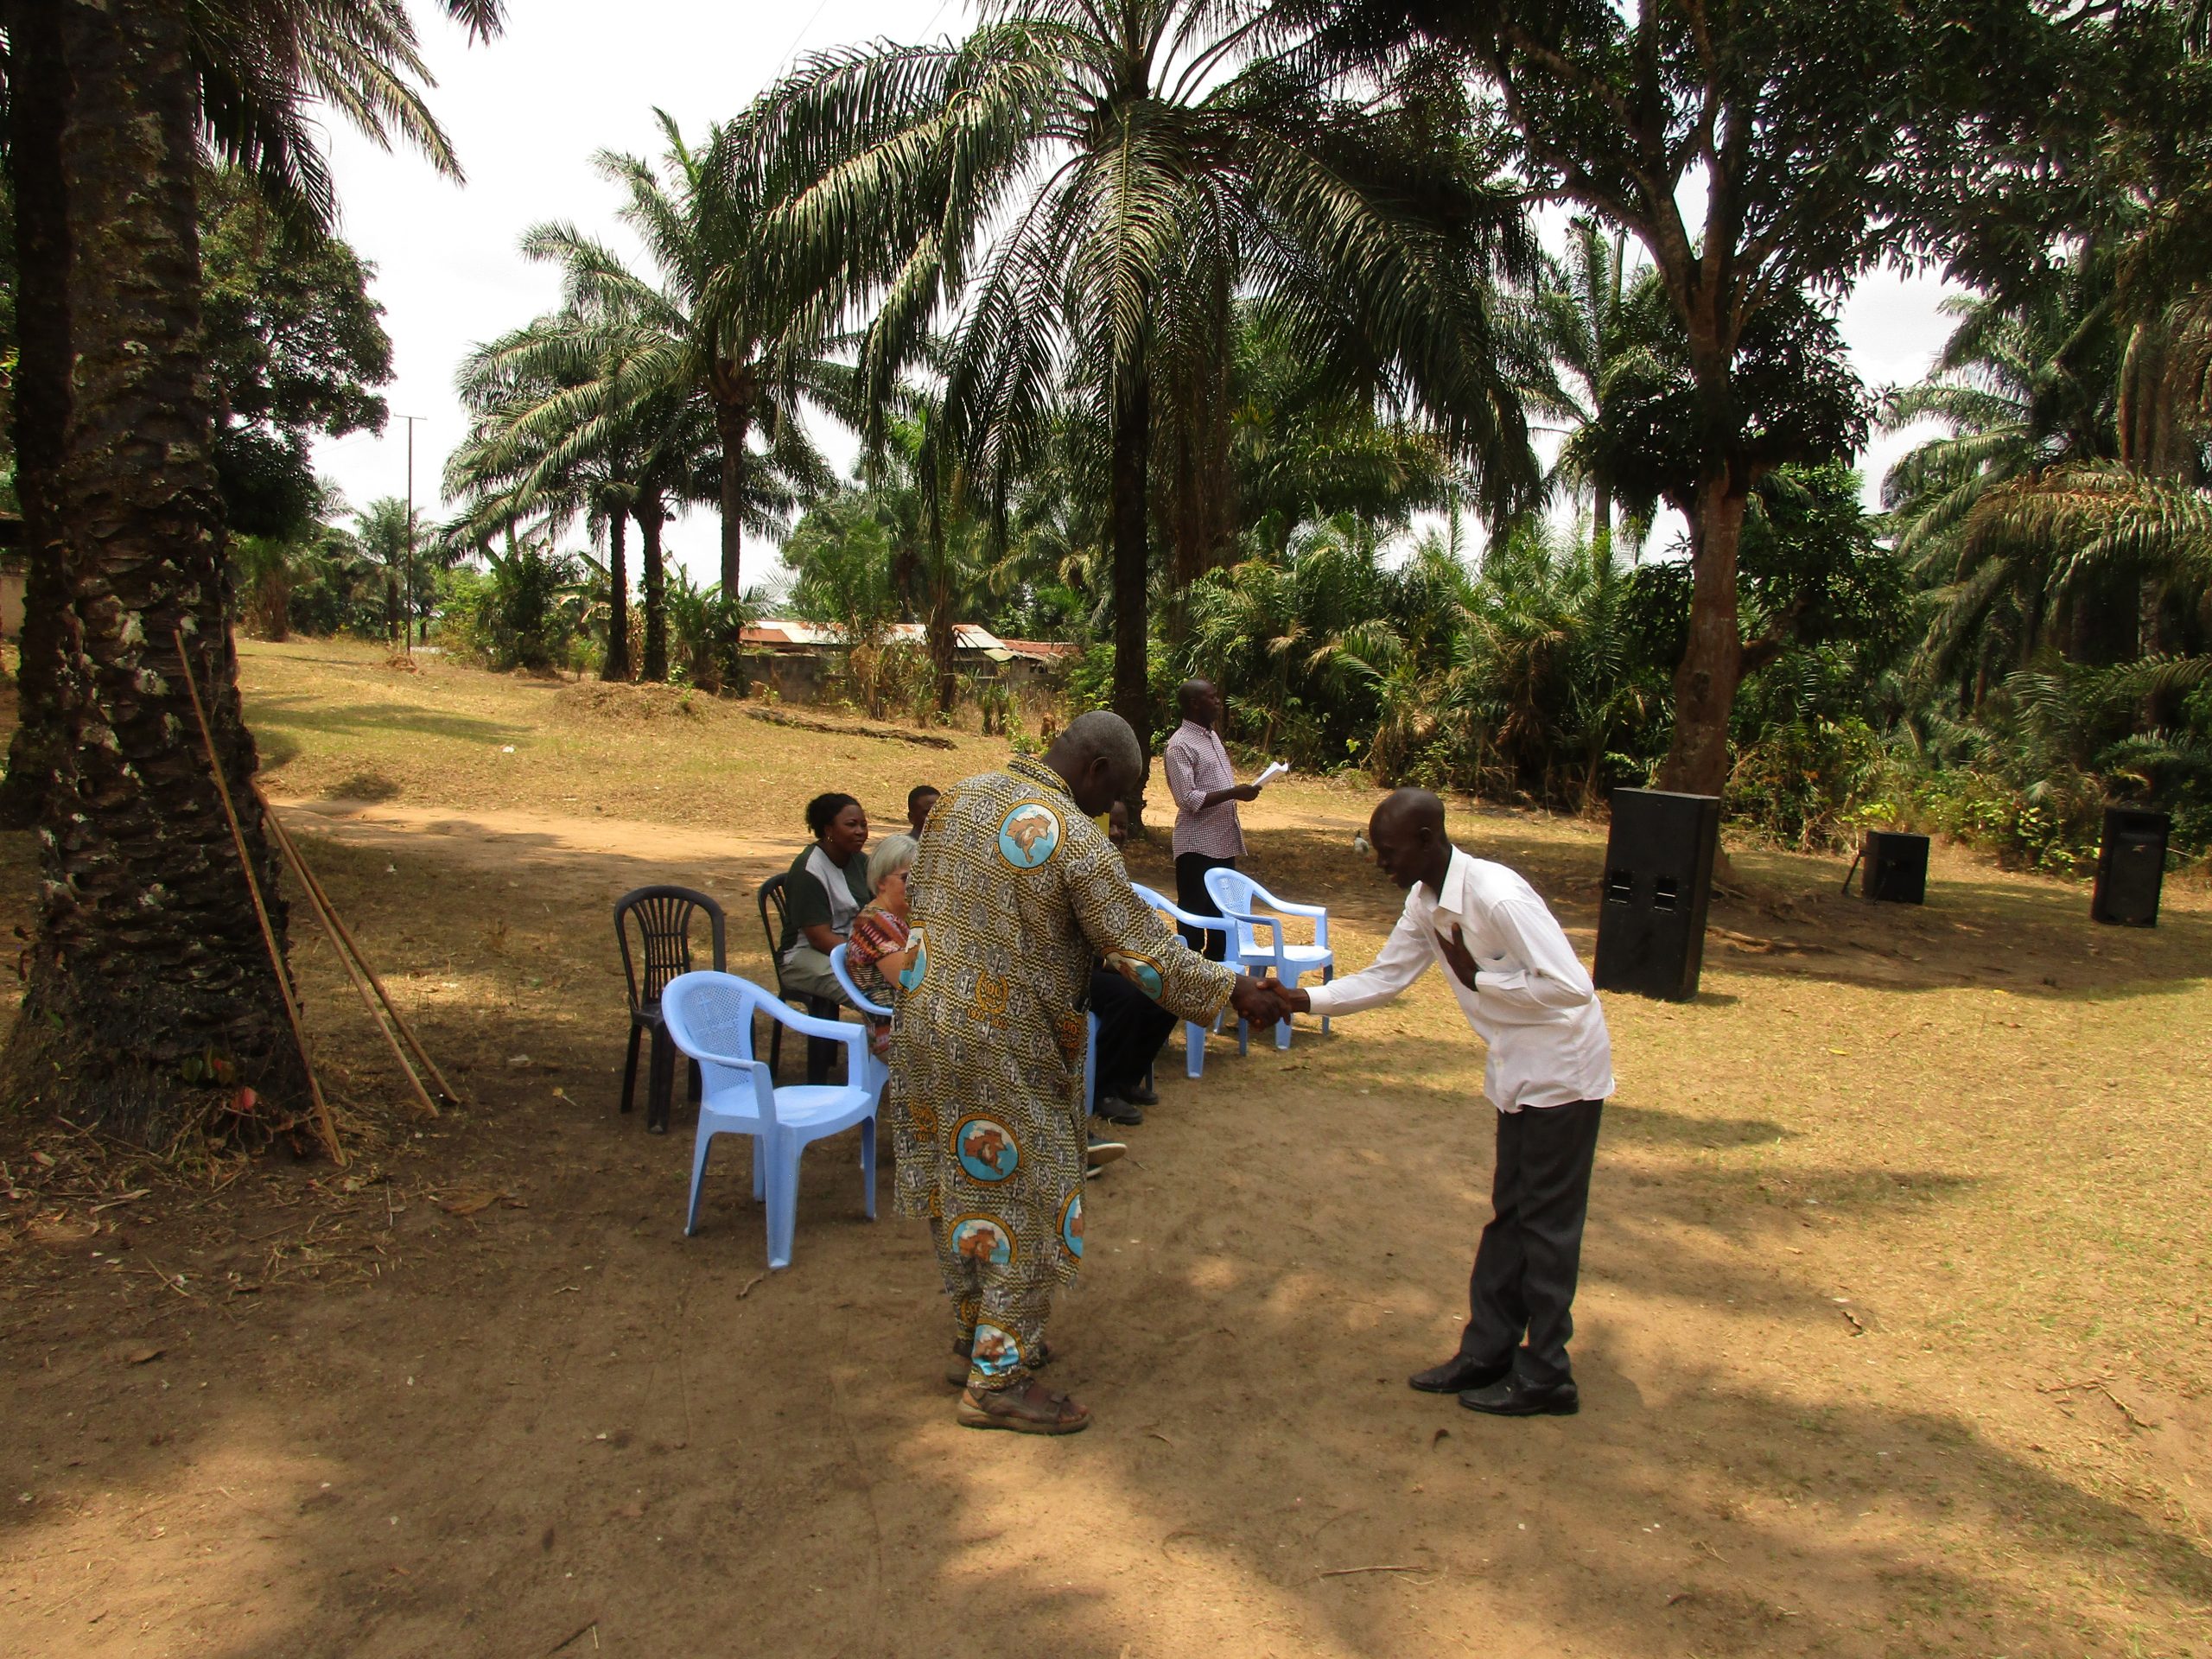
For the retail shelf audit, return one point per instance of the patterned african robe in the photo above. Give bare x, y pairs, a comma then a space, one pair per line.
1013, 893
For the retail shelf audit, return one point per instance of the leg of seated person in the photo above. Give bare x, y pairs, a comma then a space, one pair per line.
807, 973
1132, 1030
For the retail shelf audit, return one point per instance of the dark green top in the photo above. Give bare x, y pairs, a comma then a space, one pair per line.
807, 905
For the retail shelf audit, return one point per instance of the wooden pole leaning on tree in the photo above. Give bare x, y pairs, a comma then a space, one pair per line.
327, 1129
382, 1011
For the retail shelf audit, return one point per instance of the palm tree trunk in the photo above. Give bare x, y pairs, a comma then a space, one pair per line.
940, 622
651, 516
1132, 440
1601, 519
37, 104
151, 1000
732, 423
617, 667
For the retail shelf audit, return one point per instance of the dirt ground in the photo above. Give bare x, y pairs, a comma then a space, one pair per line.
1892, 1336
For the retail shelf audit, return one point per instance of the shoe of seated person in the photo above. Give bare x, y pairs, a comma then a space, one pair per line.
1103, 1152
1113, 1109
1140, 1093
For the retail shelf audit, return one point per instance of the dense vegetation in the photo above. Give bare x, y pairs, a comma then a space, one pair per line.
1211, 336
1243, 385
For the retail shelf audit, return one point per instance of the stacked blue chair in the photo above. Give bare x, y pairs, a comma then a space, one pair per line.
1194, 1034
710, 1017
1241, 898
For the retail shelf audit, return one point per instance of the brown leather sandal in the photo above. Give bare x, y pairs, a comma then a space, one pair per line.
1031, 1411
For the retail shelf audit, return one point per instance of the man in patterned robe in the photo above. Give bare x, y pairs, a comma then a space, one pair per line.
1015, 893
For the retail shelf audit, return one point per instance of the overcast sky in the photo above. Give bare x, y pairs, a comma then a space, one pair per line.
528, 112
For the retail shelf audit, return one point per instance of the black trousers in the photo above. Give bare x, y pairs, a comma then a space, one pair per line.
1525, 1266
1132, 1029
1191, 894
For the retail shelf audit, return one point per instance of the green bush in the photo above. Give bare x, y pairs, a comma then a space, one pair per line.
1810, 784
515, 612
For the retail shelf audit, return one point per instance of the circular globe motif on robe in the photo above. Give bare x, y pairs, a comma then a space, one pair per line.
1141, 972
1029, 835
986, 1149
984, 1240
915, 969
996, 1353
1071, 1224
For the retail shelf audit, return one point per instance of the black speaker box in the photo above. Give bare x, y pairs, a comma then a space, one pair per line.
2130, 867
1895, 867
1658, 882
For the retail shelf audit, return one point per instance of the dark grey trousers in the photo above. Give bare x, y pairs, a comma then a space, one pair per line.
1526, 1265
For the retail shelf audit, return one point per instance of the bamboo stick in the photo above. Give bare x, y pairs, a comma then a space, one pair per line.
313, 881
318, 903
328, 1130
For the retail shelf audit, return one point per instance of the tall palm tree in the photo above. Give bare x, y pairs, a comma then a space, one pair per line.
258, 70
1584, 324
561, 429
517, 462
2025, 385
1094, 186
725, 322
151, 1002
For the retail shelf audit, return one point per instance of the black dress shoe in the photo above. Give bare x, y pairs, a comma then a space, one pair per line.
1114, 1109
1510, 1397
1139, 1095
1458, 1372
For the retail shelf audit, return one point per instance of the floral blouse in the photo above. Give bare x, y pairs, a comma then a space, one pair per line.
876, 934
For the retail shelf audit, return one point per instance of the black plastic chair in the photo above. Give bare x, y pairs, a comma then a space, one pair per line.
775, 907
663, 916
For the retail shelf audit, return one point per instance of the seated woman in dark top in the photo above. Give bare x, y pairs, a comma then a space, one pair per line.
825, 890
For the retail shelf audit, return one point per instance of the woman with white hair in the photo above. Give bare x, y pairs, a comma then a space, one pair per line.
879, 950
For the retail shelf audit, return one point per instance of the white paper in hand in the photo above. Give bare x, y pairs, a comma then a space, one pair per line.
1276, 769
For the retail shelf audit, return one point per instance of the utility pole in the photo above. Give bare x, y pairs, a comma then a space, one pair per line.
407, 622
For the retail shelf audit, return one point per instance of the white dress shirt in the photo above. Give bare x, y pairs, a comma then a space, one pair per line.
1532, 1002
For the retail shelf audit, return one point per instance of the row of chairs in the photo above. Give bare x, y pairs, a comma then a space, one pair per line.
710, 1017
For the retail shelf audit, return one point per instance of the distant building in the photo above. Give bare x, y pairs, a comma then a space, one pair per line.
798, 658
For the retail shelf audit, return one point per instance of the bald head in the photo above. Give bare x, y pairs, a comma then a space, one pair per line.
1409, 808
1407, 832
1100, 758
1199, 702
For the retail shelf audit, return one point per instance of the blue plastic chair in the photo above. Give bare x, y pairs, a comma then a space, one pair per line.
1237, 893
1194, 1034
710, 1018
883, 1072
879, 1073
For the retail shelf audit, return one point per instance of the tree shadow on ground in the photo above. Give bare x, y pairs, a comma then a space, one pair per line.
276, 719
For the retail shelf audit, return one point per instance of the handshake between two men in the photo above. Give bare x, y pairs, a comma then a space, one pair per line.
1264, 1001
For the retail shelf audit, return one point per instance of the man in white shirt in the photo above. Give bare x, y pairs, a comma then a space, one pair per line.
1548, 1072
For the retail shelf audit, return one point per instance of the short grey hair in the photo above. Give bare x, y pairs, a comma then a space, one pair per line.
1103, 731
892, 853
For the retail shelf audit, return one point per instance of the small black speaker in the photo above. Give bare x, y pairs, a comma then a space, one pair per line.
2130, 867
1658, 882
1895, 868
